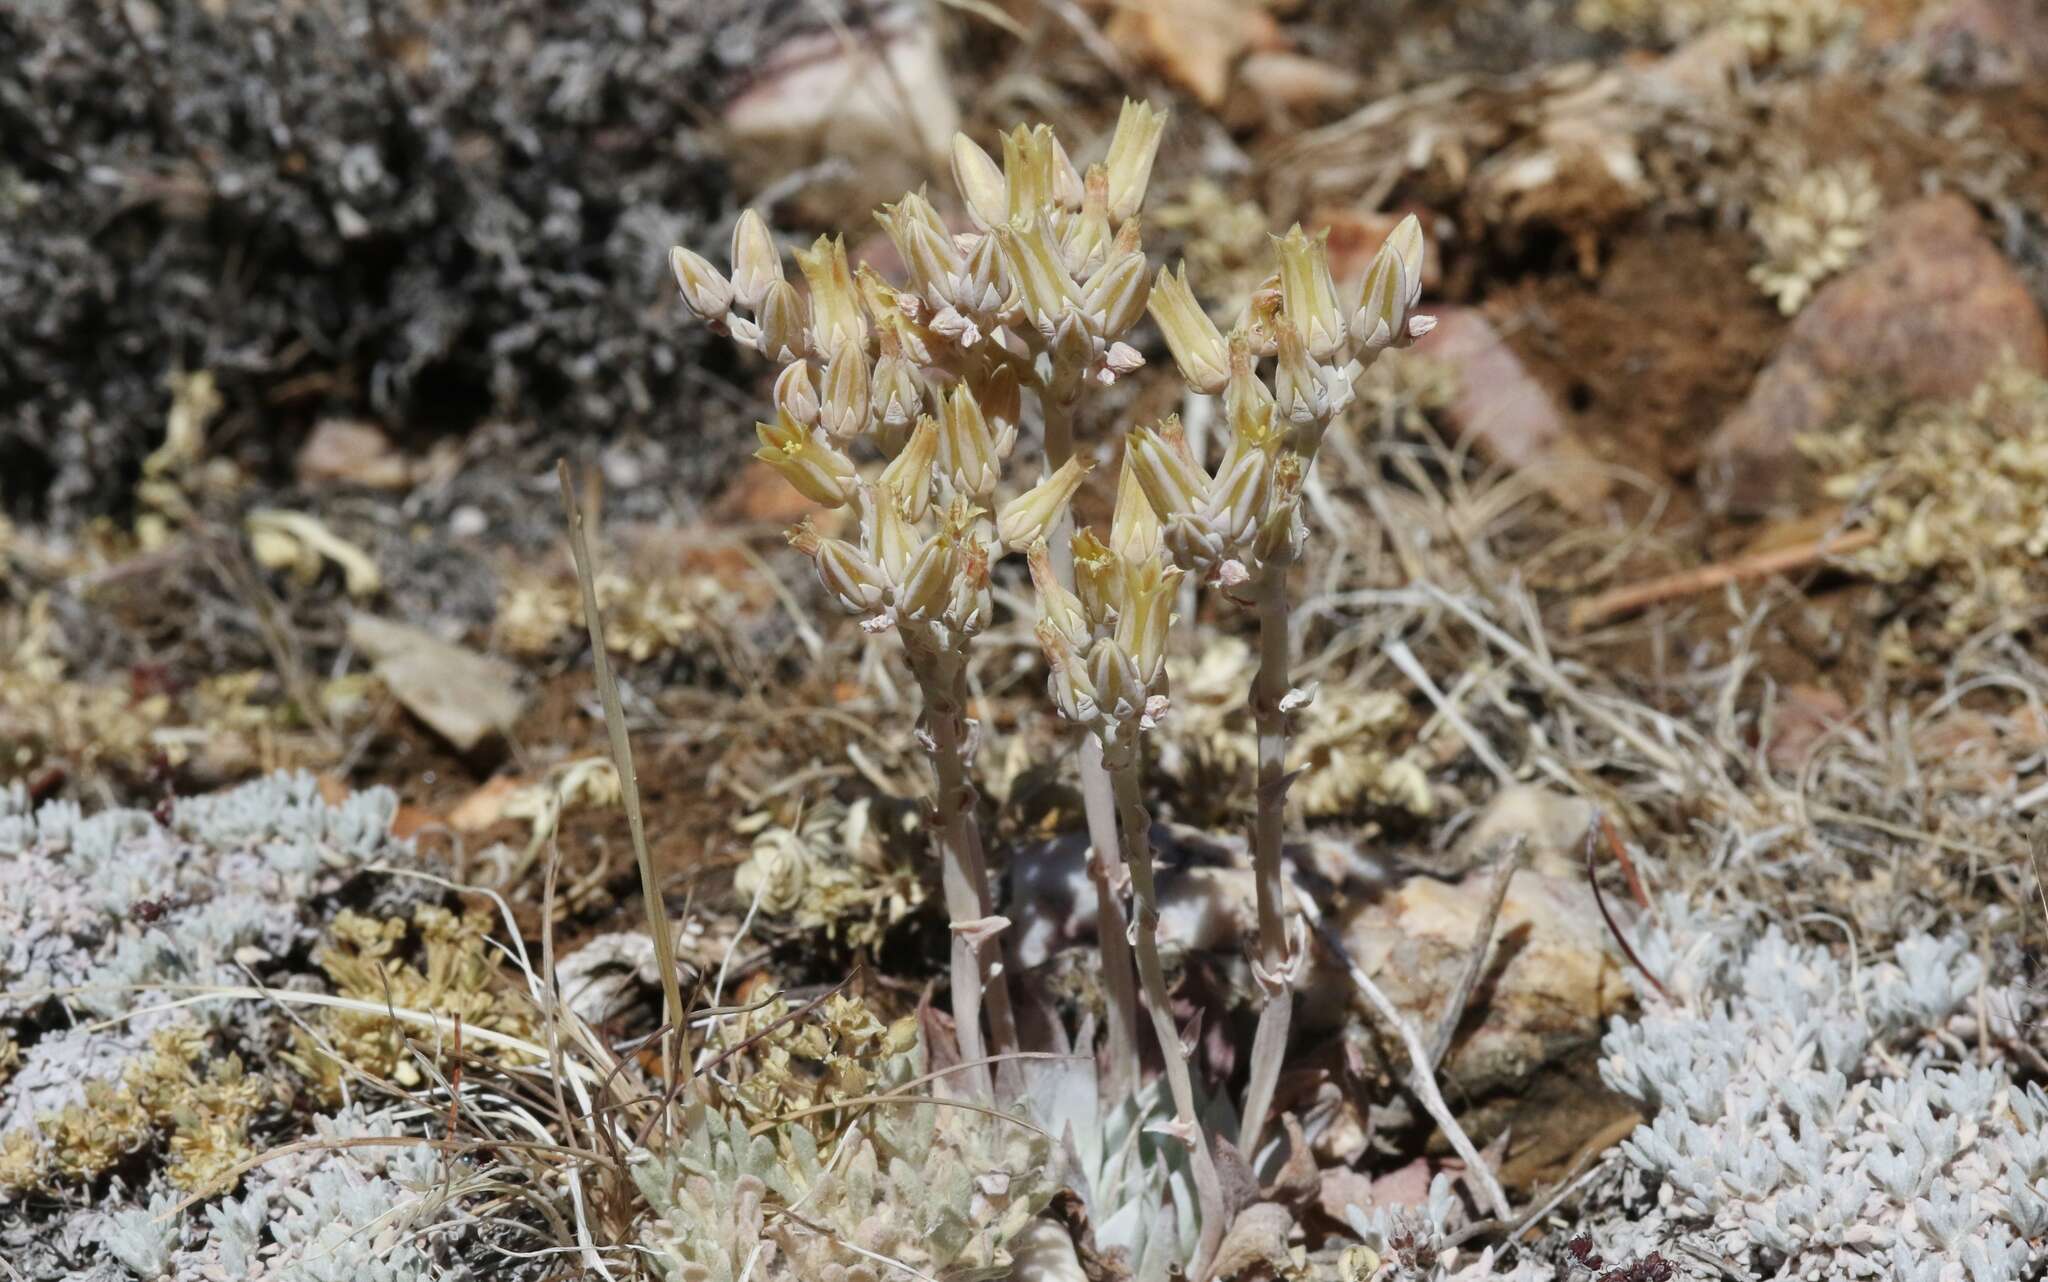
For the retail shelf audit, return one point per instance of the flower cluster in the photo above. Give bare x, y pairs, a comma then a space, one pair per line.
1037, 294
1105, 641
1224, 526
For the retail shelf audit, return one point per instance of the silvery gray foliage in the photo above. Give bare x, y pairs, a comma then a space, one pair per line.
940, 1190
1818, 1116
332, 1214
1137, 1184
226, 887
119, 902
144, 1238
286, 817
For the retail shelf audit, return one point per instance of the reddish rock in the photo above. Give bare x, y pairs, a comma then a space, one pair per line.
878, 101
1927, 313
1988, 42
485, 806
1551, 981
1193, 43
1508, 415
1281, 85
342, 451
757, 494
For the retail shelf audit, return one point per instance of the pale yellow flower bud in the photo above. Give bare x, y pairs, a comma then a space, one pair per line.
1247, 401
1168, 473
896, 394
1098, 579
1025, 519
1073, 693
1282, 532
909, 474
1028, 171
794, 394
1036, 270
970, 607
1085, 241
1068, 191
1299, 393
1119, 689
844, 409
836, 312
926, 585
1057, 607
967, 452
890, 538
817, 471
1114, 297
922, 242
1073, 353
783, 321
1131, 152
1134, 527
1145, 619
853, 582
1238, 499
980, 182
1197, 346
706, 291
1393, 286
1001, 397
981, 286
1308, 295
756, 262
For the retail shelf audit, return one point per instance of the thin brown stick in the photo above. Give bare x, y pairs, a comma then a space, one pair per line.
1619, 849
1627, 600
1628, 950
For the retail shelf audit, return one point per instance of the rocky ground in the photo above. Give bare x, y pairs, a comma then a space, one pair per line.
1681, 717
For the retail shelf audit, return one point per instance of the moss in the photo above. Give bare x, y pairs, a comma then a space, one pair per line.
1974, 551
456, 977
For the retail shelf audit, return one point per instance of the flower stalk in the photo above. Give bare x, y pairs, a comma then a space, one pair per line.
1241, 530
1277, 959
1186, 1125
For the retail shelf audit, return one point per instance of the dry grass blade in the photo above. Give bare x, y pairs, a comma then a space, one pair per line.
629, 781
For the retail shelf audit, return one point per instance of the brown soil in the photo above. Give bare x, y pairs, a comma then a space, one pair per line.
1645, 360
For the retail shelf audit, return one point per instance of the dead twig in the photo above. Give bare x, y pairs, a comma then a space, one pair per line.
1422, 1078
1627, 600
1628, 865
1475, 964
274, 629
1628, 950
